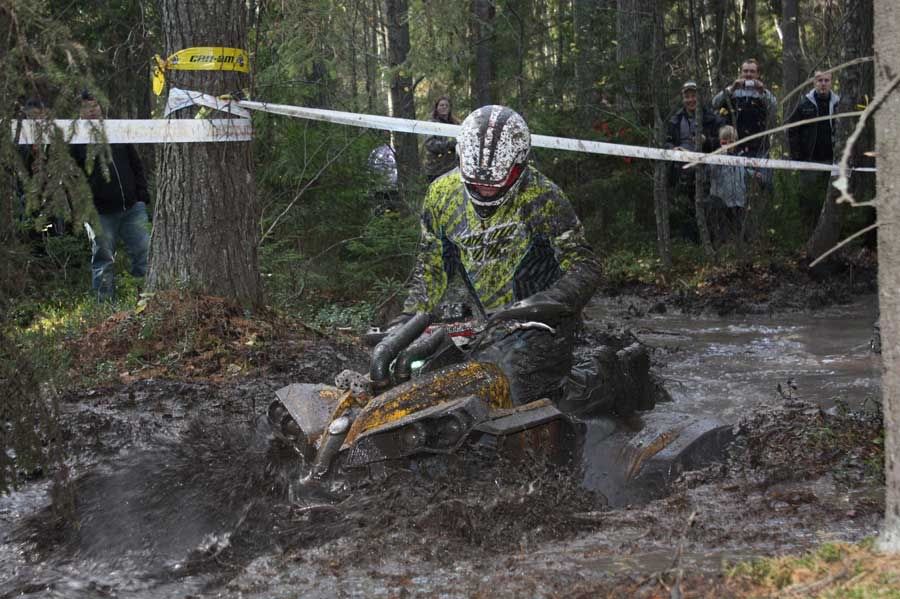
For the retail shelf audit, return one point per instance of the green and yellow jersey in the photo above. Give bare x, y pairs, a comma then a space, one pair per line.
534, 242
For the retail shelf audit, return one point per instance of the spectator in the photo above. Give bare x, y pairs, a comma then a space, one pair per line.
382, 165
729, 189
120, 194
814, 143
749, 107
440, 151
682, 135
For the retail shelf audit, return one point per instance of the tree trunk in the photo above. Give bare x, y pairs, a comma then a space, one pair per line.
792, 64
660, 168
484, 66
720, 33
751, 26
370, 41
582, 28
700, 178
661, 206
887, 120
396, 13
521, 45
635, 36
855, 85
206, 218
651, 99
701, 174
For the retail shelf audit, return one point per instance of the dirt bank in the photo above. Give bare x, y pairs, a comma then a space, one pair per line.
759, 287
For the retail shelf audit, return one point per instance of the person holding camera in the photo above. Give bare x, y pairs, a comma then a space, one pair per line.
749, 107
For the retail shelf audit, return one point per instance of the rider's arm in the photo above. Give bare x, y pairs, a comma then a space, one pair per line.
429, 279
581, 269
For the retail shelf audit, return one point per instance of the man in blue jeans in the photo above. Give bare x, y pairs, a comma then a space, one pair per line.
119, 187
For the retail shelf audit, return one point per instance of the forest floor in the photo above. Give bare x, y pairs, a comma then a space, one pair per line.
169, 450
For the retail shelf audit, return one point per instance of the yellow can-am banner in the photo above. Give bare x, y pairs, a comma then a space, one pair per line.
201, 58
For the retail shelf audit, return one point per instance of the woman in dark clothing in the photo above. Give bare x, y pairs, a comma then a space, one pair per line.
440, 152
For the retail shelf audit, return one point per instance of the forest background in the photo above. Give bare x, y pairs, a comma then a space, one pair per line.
607, 70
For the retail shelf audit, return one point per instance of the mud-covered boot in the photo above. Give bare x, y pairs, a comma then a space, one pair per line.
610, 382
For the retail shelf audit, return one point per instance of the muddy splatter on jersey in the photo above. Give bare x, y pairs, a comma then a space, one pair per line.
534, 242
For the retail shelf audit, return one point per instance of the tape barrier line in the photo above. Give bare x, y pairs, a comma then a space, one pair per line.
200, 58
240, 130
182, 98
540, 141
148, 131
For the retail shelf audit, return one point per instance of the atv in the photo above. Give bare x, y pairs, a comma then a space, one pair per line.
424, 400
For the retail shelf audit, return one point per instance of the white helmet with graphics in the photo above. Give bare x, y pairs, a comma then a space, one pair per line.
493, 147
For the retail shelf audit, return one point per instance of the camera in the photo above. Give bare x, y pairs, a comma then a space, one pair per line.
750, 82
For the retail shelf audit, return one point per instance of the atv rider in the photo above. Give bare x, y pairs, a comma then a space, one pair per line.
513, 237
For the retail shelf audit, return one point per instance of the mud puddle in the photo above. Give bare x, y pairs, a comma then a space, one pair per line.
722, 366
180, 494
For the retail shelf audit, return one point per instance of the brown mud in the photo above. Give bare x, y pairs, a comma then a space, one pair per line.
177, 490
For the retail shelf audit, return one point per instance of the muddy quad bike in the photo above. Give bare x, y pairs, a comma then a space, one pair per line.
367, 424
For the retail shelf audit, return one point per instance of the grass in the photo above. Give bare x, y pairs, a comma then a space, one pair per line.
831, 571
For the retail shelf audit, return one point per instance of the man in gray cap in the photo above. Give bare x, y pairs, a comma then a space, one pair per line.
682, 135
683, 124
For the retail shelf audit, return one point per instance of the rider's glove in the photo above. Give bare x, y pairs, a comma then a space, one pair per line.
540, 307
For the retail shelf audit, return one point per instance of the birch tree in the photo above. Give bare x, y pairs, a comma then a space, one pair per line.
887, 121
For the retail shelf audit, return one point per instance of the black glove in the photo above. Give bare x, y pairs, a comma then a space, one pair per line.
540, 307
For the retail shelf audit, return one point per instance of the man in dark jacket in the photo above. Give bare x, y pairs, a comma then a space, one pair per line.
749, 107
682, 135
120, 192
814, 143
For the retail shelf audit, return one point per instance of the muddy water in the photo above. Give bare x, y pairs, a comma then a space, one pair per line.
719, 367
194, 517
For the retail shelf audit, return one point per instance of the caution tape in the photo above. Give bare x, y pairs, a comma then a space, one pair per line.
243, 131
148, 131
540, 141
201, 58
182, 98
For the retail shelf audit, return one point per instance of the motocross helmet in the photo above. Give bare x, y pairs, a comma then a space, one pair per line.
493, 147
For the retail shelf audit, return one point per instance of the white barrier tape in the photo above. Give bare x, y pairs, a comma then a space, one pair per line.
541, 141
213, 130
181, 98
149, 131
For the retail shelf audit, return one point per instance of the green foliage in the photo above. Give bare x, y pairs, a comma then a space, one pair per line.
626, 266
386, 248
756, 569
354, 317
